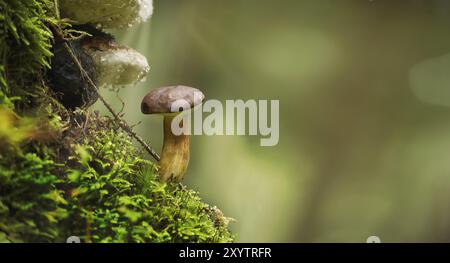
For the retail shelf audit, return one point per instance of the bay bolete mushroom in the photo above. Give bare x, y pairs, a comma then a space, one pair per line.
166, 101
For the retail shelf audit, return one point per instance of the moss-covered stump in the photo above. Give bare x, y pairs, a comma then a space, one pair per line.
64, 172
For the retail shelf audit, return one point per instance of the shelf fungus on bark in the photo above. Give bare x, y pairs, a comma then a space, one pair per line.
115, 64
170, 102
105, 61
107, 13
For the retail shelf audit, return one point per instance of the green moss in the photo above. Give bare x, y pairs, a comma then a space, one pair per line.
104, 192
66, 173
25, 43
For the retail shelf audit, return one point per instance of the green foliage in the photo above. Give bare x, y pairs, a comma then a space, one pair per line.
26, 209
68, 173
109, 194
25, 48
119, 199
13, 129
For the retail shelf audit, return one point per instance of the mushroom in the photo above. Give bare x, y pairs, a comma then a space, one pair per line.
175, 151
107, 13
114, 64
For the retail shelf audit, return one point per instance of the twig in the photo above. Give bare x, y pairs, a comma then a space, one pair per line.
136, 124
120, 121
123, 105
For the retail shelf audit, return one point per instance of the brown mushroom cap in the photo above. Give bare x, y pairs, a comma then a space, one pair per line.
160, 100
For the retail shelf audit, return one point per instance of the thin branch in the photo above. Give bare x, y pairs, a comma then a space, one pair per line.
116, 116
123, 105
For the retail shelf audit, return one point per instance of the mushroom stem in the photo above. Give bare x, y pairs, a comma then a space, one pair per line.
175, 154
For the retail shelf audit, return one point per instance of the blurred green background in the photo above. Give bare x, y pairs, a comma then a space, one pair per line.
364, 90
